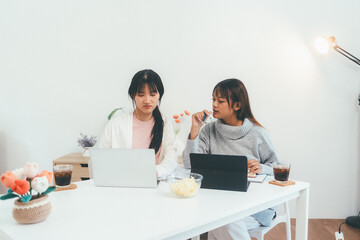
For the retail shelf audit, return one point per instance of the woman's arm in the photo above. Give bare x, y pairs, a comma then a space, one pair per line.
198, 140
199, 145
197, 121
267, 154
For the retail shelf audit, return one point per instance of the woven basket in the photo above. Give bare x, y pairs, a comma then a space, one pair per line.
36, 210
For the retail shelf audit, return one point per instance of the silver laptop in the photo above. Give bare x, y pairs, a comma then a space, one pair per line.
118, 167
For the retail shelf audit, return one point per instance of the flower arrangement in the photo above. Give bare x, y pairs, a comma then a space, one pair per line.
26, 182
84, 141
179, 119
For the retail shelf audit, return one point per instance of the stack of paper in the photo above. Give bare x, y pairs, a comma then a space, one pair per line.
259, 178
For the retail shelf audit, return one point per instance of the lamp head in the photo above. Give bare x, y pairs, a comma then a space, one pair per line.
323, 44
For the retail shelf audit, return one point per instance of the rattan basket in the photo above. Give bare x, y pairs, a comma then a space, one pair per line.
36, 210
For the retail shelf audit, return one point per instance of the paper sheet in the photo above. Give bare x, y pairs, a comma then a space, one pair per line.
259, 178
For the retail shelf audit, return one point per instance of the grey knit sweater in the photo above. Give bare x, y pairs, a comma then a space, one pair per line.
247, 140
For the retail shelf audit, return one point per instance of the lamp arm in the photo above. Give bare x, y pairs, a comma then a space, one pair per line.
347, 54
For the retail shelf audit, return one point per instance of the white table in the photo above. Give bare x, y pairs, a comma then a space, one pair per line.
91, 212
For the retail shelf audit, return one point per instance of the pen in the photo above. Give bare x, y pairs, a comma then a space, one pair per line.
205, 115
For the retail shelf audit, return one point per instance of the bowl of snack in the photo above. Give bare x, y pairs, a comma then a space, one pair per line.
185, 186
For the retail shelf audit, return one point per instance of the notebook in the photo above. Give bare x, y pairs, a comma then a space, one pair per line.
117, 167
224, 172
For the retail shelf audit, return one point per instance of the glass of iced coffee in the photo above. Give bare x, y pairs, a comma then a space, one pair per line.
62, 174
281, 171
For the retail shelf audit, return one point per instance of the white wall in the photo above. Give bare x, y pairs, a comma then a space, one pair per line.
64, 65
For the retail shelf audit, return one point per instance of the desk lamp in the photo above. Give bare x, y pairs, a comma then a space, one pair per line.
323, 45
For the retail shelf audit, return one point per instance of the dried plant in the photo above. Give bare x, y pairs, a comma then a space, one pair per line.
84, 141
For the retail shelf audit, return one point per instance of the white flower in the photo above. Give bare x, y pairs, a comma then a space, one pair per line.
40, 184
31, 169
19, 173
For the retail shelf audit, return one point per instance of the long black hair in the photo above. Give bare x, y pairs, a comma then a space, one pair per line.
153, 80
233, 90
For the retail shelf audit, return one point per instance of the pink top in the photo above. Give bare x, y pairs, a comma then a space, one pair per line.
141, 137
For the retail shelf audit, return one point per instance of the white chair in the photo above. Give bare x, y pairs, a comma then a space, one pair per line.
284, 216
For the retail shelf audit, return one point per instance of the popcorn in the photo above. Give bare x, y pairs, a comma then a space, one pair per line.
186, 187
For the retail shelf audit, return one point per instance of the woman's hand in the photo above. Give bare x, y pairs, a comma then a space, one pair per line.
197, 122
254, 166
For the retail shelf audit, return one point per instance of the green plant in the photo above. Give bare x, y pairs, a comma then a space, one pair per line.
113, 112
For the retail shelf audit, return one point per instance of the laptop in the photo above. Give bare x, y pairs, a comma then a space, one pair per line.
223, 172
118, 167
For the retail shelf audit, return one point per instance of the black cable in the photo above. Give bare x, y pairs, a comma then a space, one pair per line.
354, 60
340, 226
345, 222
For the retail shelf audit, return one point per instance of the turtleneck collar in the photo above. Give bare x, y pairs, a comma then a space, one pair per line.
233, 132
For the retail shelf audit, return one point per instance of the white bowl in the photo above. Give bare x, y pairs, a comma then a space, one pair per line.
185, 186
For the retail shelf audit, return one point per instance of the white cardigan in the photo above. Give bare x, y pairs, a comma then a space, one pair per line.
119, 132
